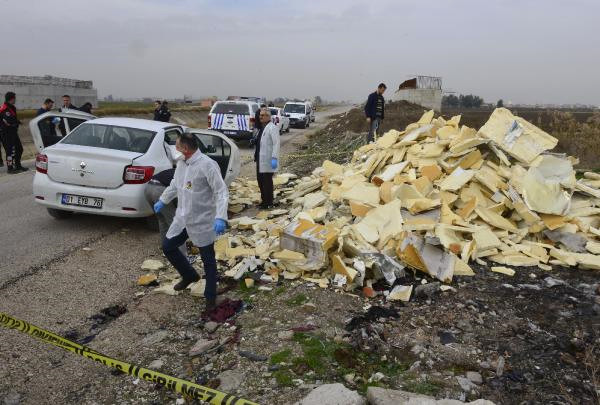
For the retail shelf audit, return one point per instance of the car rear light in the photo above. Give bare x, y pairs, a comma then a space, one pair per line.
41, 163
138, 174
252, 120
209, 121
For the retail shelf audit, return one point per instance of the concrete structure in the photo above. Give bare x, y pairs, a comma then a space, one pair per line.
422, 90
33, 90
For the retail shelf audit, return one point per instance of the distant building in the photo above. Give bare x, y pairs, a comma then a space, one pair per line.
422, 90
33, 90
208, 102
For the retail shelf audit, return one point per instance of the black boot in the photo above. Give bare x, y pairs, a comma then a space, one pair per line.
211, 303
183, 284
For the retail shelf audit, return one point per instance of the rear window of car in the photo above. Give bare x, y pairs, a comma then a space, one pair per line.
111, 137
227, 108
294, 108
274, 111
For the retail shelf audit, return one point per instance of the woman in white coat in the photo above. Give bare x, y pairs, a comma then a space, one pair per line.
266, 156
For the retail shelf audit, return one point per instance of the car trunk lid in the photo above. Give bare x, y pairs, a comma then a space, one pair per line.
88, 166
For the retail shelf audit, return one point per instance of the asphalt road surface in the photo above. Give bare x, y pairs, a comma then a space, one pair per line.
31, 239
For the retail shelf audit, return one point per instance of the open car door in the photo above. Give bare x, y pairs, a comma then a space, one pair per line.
222, 150
49, 128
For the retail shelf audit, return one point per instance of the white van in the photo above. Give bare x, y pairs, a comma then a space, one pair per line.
234, 118
299, 113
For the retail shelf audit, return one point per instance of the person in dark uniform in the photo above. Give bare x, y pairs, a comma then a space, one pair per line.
163, 114
156, 110
86, 108
9, 131
375, 111
48, 125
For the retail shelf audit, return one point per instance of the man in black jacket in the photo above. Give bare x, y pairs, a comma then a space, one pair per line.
163, 114
47, 126
375, 111
9, 127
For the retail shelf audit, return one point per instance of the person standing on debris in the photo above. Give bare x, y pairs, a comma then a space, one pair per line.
375, 111
201, 214
266, 156
9, 131
48, 125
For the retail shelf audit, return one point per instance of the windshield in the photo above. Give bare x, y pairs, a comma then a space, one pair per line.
227, 108
294, 108
110, 137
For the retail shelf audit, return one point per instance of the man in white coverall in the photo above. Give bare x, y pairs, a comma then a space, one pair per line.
201, 214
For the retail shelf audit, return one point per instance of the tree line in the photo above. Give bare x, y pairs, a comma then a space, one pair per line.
463, 100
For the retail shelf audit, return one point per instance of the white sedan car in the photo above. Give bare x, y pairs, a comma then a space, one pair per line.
279, 119
102, 165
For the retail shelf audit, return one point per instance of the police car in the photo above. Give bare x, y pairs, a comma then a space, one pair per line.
234, 118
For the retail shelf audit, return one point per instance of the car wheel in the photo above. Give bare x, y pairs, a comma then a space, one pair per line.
152, 223
59, 214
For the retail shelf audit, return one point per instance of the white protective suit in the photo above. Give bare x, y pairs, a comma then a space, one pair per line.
269, 148
202, 196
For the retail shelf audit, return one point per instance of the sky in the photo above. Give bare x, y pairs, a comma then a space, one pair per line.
524, 51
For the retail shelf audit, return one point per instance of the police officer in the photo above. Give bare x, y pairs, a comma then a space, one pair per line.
201, 214
9, 127
157, 105
163, 114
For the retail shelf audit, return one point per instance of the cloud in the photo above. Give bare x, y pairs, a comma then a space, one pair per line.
526, 50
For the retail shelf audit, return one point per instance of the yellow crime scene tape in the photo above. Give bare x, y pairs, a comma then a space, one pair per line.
180, 386
299, 155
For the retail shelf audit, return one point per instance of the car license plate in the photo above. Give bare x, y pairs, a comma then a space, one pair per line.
229, 132
82, 201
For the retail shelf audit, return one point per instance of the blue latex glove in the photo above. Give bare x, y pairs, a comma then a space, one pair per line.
158, 206
220, 226
273, 163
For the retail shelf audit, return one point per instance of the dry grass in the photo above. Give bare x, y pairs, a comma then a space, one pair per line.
591, 362
581, 140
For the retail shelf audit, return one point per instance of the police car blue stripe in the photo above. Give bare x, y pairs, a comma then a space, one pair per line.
239, 122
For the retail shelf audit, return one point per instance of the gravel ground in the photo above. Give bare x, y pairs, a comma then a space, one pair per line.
528, 339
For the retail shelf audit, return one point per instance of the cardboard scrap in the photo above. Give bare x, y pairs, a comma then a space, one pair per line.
434, 197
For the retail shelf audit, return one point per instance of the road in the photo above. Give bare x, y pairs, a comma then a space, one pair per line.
32, 239
64, 275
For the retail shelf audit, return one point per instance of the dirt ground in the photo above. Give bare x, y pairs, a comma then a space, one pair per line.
529, 339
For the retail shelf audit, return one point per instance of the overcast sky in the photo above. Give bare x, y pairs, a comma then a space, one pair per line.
528, 51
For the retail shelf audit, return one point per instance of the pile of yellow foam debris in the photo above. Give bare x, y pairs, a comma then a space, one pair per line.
433, 197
